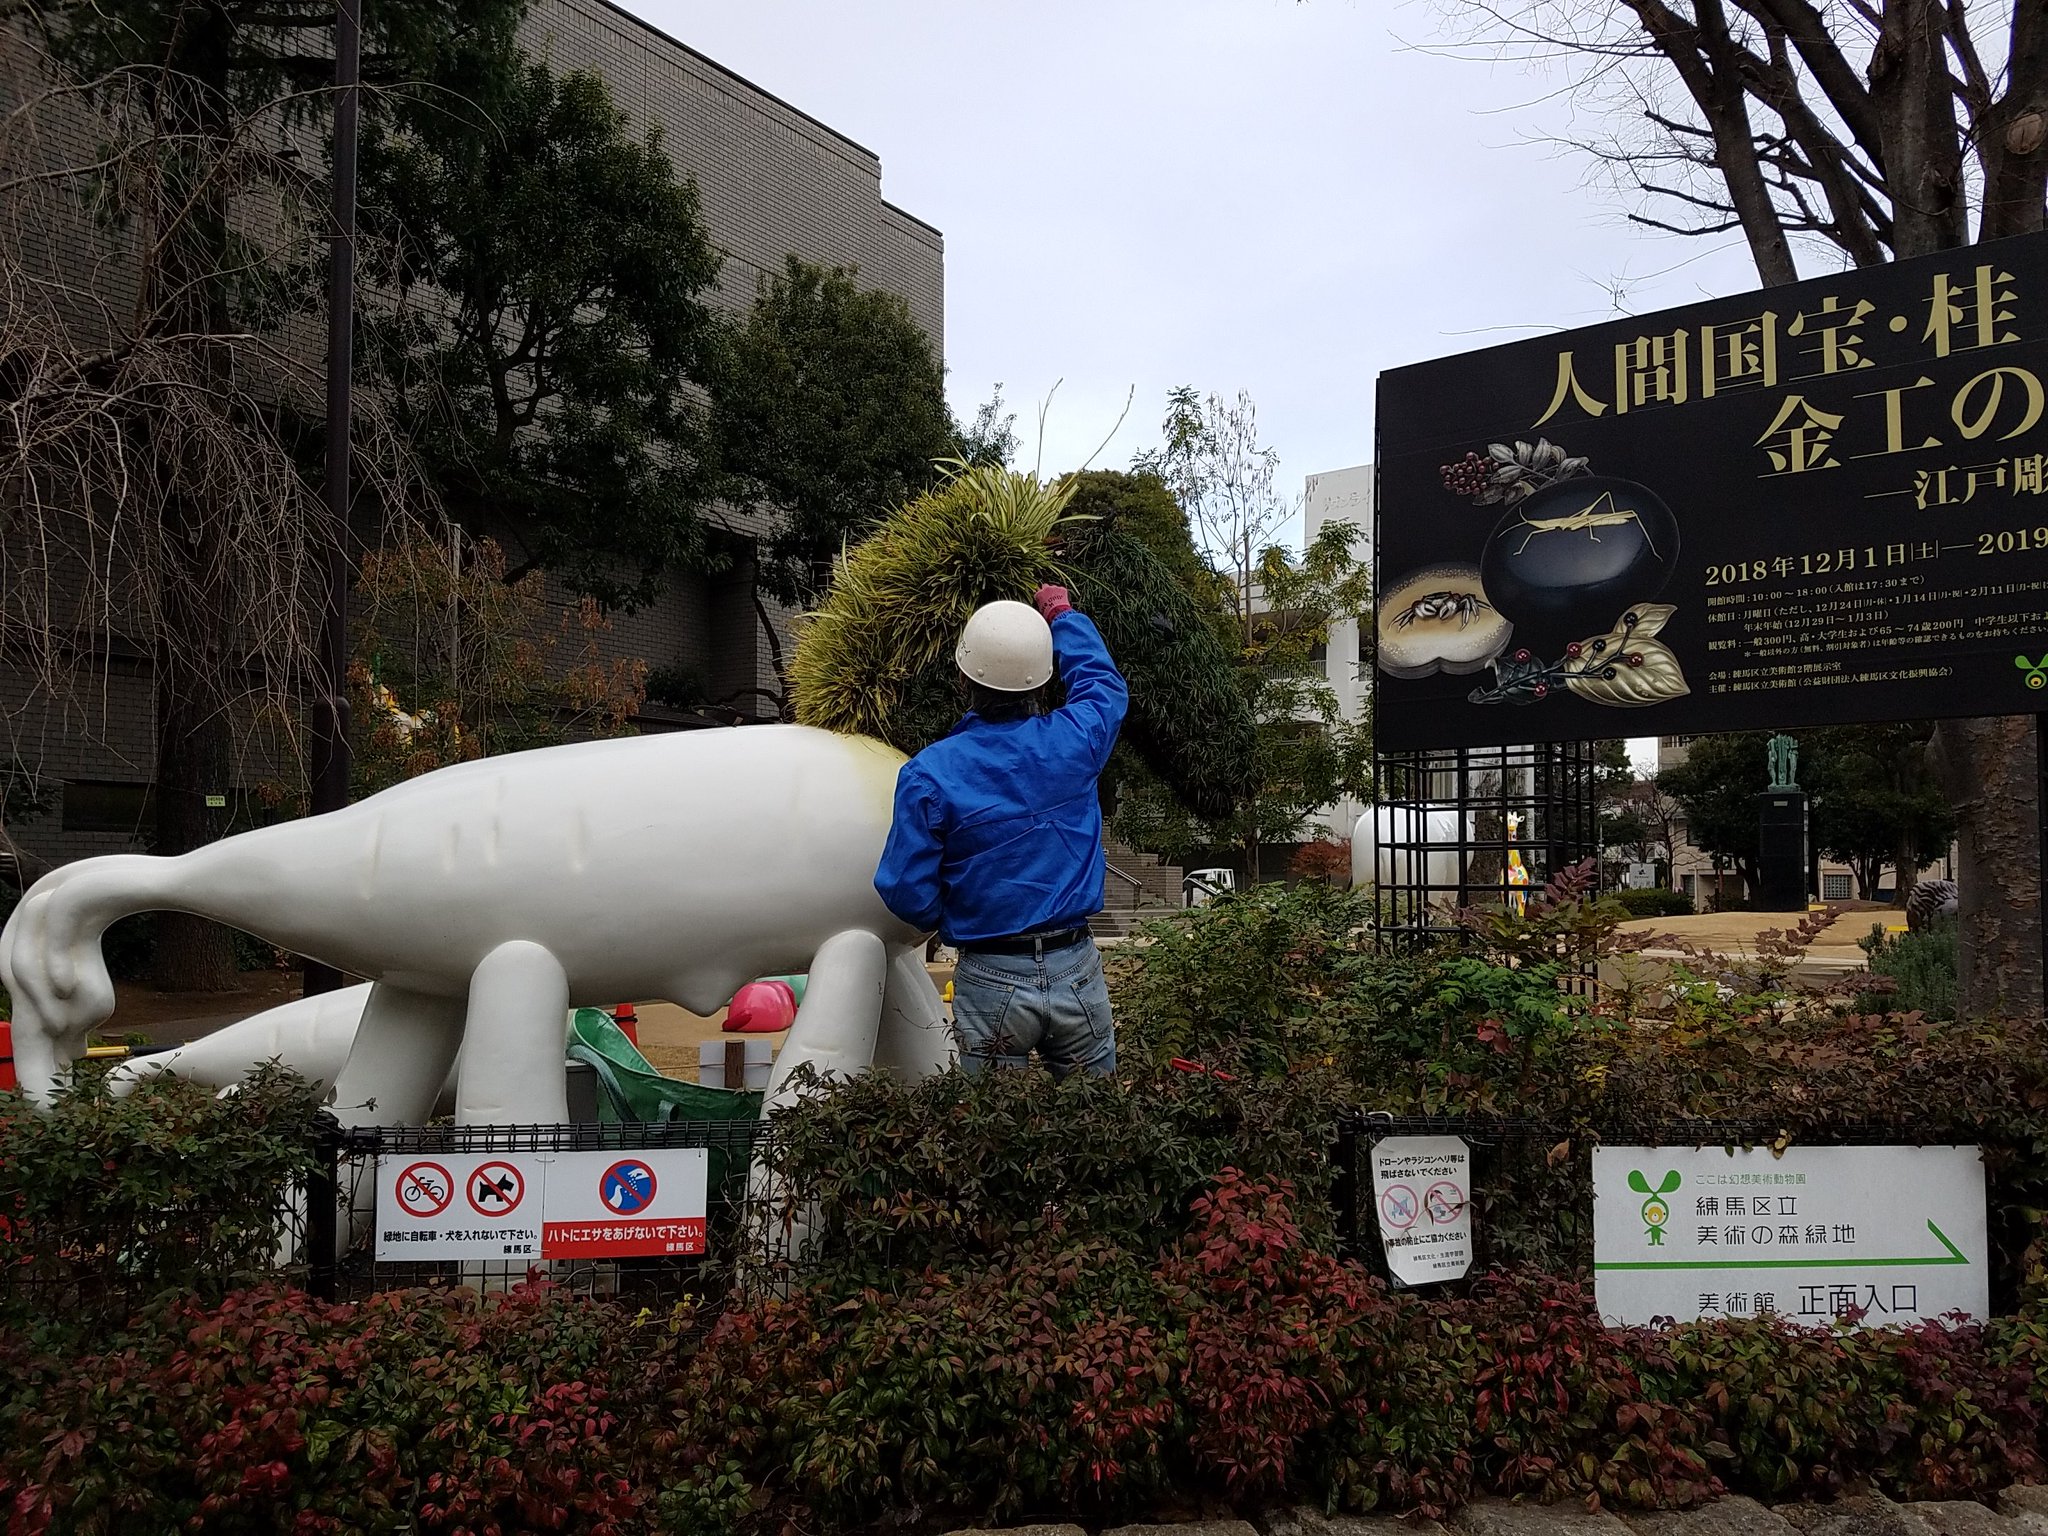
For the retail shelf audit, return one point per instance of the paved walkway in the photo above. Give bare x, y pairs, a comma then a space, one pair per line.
2021, 1511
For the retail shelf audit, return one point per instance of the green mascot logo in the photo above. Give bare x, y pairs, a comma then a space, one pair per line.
1655, 1210
2037, 671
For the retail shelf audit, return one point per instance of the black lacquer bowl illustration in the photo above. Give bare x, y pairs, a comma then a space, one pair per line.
1563, 561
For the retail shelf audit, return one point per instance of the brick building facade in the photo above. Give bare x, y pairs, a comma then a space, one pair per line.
772, 181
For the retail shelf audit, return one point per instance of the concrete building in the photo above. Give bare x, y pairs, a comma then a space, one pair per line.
1343, 496
773, 180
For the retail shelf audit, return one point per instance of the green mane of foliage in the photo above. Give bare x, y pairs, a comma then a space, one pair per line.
876, 658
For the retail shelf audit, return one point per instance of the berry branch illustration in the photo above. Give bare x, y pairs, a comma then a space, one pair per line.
1625, 667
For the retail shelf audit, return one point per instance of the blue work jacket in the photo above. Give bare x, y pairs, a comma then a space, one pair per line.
997, 830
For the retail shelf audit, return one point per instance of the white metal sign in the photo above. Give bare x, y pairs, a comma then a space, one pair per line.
1875, 1234
541, 1205
1422, 1189
468, 1205
626, 1205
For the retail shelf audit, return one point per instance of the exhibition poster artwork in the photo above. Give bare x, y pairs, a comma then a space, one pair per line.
1818, 503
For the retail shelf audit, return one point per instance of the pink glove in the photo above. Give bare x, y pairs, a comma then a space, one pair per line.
1052, 602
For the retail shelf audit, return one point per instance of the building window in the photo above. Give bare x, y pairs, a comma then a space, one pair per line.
1836, 888
94, 806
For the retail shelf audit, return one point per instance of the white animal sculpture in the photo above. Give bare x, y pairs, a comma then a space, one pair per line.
487, 899
311, 1035
1429, 835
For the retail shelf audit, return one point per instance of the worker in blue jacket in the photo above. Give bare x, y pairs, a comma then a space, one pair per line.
997, 839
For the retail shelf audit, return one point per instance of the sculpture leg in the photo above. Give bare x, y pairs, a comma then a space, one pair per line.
834, 1033
513, 1070
913, 1041
835, 1028
399, 1059
394, 1071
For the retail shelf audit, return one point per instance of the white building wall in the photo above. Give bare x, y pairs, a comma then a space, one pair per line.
1342, 496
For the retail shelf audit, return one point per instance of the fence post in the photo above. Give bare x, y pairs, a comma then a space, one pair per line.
323, 1197
1344, 1189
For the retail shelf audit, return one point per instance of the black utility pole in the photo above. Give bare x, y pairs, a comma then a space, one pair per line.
330, 706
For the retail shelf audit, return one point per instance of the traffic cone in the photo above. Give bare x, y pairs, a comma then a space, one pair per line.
7, 1078
628, 1022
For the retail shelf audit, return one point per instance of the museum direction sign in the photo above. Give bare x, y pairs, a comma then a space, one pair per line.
1810, 1234
1808, 505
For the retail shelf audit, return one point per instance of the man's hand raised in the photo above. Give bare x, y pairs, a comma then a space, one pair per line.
1052, 601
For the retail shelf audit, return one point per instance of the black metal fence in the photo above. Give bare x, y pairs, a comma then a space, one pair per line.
1530, 1195
751, 1225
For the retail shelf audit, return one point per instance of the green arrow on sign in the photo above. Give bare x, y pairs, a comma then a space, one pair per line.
1954, 1256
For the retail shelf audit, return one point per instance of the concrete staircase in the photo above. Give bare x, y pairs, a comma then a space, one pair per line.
1137, 888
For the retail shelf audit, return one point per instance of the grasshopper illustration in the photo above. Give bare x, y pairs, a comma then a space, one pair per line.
1600, 513
1656, 1211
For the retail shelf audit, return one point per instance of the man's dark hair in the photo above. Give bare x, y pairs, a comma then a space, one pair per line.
998, 707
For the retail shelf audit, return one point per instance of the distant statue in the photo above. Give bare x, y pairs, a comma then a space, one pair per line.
1784, 763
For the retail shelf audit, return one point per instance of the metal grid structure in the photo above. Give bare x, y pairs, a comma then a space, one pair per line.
1441, 830
752, 1226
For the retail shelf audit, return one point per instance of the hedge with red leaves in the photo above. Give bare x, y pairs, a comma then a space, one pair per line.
1242, 1366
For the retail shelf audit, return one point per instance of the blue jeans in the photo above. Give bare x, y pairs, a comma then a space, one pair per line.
1006, 1006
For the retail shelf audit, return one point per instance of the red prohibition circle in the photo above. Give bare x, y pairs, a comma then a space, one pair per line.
424, 1190
1399, 1207
506, 1186
1446, 1197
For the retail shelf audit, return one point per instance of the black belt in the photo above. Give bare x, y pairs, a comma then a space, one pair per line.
1033, 944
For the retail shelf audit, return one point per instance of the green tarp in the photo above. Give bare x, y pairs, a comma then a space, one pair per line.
630, 1090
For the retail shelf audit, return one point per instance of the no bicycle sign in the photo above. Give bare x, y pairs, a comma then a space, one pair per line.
541, 1205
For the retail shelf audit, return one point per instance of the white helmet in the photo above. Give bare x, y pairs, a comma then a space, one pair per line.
1006, 646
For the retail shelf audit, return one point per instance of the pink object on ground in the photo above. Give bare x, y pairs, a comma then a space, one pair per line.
761, 1008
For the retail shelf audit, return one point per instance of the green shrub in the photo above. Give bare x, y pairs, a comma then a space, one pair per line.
1655, 901
1236, 1365
959, 1169
192, 1188
271, 1412
1920, 965
1252, 983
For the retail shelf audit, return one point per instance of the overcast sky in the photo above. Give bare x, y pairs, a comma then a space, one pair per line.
1234, 194
1258, 194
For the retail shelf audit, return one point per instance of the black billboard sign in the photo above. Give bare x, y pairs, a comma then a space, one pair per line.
1808, 505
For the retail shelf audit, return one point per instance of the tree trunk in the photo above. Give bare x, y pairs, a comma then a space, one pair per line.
1990, 771
192, 954
193, 646
1923, 160
1905, 871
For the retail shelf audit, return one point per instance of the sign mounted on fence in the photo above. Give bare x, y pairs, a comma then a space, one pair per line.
475, 1205
1816, 504
1422, 1188
605, 1205
1880, 1234
541, 1205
